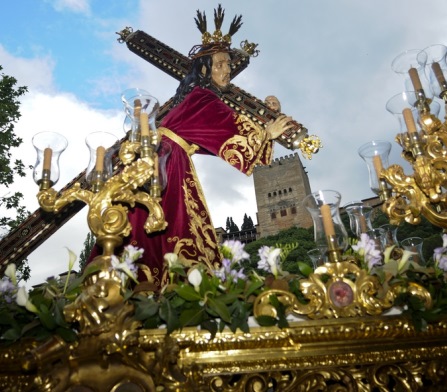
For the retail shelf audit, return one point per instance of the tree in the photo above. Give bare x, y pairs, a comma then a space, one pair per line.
13, 212
230, 226
247, 223
89, 243
233, 226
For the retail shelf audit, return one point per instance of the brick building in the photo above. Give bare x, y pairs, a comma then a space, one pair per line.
280, 189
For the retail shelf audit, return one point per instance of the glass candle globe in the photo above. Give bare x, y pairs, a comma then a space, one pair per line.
100, 168
359, 217
397, 103
412, 59
408, 99
141, 108
375, 153
435, 58
49, 146
313, 204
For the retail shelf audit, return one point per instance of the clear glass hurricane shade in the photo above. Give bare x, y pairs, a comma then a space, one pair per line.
407, 100
390, 235
378, 236
415, 244
367, 152
137, 101
48, 140
313, 203
412, 59
435, 54
359, 217
110, 143
317, 256
397, 103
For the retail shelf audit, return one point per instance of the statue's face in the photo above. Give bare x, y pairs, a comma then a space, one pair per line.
220, 70
272, 103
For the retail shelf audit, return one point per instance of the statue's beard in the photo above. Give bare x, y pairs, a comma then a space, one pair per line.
221, 89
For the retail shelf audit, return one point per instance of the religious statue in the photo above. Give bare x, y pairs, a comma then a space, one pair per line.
200, 123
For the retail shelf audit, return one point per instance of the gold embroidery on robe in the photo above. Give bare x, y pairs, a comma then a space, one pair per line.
247, 148
202, 248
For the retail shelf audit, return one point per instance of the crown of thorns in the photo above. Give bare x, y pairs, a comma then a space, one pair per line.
216, 42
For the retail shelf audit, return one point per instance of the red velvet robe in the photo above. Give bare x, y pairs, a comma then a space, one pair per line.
208, 126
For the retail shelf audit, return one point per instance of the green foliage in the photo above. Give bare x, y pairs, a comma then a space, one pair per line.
10, 202
231, 227
49, 300
247, 223
89, 243
304, 238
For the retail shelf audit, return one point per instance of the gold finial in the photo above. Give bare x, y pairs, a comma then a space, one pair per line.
124, 34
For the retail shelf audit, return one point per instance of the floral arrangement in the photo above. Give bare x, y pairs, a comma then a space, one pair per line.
213, 300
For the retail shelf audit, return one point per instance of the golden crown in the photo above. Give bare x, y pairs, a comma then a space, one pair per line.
216, 42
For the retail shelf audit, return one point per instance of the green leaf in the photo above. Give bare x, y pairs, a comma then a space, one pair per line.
144, 310
188, 293
211, 326
67, 334
177, 301
253, 286
169, 316
229, 298
46, 318
239, 317
191, 317
74, 285
220, 308
152, 323
266, 321
209, 285
90, 269
180, 270
12, 334
59, 313
305, 268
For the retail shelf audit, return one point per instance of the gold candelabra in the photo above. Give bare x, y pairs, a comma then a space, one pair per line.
408, 197
101, 305
109, 196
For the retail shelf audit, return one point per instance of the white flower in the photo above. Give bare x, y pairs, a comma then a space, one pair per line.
125, 268
236, 248
171, 259
366, 247
195, 278
403, 262
10, 272
387, 253
269, 259
71, 259
22, 299
133, 253
444, 240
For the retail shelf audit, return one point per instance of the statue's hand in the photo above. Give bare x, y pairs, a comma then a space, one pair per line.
277, 127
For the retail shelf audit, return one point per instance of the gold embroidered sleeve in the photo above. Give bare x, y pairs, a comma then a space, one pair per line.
249, 147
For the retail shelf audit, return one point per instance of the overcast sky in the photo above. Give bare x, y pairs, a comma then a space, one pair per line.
328, 61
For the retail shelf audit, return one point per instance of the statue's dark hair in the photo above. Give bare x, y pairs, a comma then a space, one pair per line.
195, 77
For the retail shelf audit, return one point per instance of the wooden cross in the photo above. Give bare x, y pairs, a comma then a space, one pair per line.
40, 225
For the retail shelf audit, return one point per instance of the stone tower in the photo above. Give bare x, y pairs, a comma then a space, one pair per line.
280, 189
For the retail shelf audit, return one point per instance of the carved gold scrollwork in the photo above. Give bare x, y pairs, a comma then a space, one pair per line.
339, 290
422, 193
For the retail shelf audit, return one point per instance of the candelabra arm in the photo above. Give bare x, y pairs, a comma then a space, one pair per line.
50, 201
